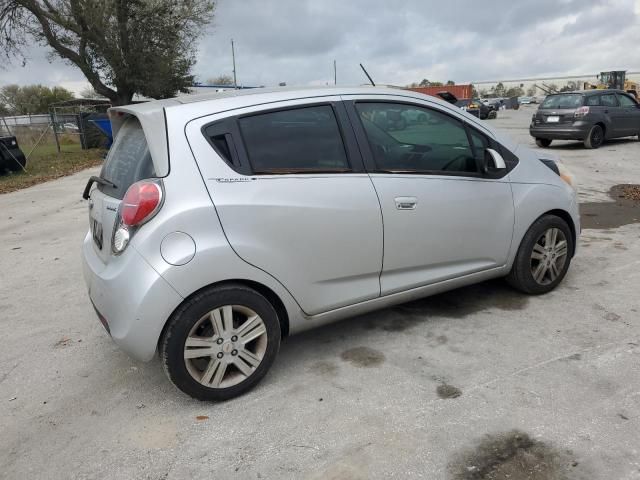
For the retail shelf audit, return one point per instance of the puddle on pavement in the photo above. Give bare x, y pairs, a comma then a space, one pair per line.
448, 391
624, 210
512, 455
363, 357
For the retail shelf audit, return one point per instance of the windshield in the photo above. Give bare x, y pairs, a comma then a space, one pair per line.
562, 101
129, 160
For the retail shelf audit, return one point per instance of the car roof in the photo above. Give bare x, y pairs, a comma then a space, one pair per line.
153, 115
588, 92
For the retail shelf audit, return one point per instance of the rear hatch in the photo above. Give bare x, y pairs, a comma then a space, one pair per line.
448, 97
558, 109
128, 161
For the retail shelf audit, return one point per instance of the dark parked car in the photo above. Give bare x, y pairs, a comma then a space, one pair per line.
589, 116
475, 107
11, 157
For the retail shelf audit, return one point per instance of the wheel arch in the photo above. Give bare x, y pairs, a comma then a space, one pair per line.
566, 216
271, 296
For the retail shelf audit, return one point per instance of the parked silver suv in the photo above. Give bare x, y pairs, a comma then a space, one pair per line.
222, 223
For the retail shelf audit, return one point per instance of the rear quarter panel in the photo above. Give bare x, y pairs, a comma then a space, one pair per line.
189, 209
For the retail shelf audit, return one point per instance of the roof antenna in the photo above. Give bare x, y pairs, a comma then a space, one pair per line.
367, 74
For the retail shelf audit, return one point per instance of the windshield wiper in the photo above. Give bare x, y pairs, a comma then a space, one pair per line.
98, 180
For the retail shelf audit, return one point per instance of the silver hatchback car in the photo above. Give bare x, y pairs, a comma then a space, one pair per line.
222, 223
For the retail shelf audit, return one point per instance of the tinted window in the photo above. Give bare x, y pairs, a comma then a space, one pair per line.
626, 101
479, 143
608, 100
303, 140
562, 101
129, 160
438, 143
593, 101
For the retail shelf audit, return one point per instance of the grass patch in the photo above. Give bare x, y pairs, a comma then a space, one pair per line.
45, 164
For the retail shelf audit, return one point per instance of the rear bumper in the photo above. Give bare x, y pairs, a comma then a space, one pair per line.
130, 297
574, 131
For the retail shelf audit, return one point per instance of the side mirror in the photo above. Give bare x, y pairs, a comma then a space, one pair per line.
493, 161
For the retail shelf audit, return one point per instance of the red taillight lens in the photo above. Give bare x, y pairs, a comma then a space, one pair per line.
140, 203
581, 112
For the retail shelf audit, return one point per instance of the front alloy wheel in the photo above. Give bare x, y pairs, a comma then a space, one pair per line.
543, 257
221, 342
548, 256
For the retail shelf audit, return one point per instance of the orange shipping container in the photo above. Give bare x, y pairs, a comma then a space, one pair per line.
460, 91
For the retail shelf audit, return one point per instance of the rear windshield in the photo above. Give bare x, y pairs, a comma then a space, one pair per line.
562, 101
129, 160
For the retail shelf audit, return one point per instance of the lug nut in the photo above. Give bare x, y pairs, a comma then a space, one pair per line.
219, 341
220, 354
234, 352
234, 338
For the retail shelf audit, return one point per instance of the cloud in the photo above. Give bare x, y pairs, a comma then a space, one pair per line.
296, 41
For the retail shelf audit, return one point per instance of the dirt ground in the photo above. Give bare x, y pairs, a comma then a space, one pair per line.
477, 383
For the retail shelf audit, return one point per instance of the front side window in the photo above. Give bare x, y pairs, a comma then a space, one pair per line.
626, 101
608, 100
406, 138
301, 140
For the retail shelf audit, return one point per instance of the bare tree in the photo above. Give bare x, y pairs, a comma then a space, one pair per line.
123, 47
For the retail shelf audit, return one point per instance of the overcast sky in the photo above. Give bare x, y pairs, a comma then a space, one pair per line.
296, 41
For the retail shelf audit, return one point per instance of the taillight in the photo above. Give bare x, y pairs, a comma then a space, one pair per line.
140, 203
581, 112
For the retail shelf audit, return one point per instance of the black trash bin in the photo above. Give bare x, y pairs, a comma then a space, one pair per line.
11, 157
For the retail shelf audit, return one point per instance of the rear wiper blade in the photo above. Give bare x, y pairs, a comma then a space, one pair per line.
98, 180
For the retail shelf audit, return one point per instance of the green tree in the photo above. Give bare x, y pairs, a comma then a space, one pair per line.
499, 90
31, 98
450, 82
424, 83
514, 92
123, 47
531, 91
221, 80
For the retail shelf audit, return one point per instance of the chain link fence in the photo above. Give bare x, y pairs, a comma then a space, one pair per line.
69, 127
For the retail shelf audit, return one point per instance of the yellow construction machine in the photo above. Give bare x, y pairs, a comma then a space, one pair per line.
616, 80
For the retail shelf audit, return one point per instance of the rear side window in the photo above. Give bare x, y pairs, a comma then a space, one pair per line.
626, 101
608, 100
562, 101
593, 101
301, 140
129, 160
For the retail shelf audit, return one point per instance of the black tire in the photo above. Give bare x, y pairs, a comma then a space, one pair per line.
543, 142
172, 344
595, 138
521, 275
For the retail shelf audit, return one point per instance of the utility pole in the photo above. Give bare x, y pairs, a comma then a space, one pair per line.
335, 73
233, 56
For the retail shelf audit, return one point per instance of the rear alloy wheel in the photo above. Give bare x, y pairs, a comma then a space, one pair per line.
221, 343
595, 137
543, 142
544, 256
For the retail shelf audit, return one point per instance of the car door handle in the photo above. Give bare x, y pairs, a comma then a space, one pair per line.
406, 203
